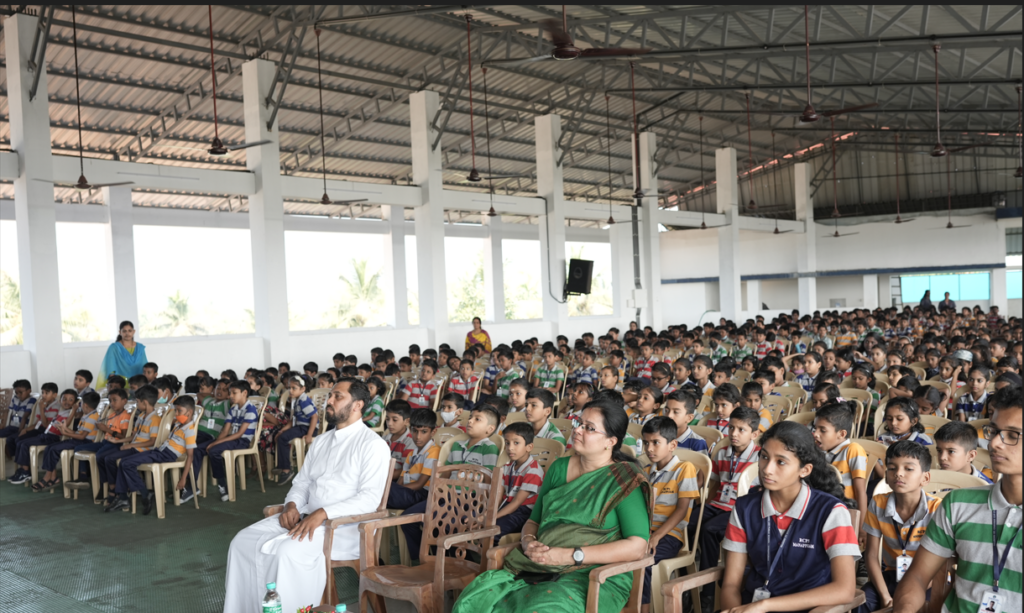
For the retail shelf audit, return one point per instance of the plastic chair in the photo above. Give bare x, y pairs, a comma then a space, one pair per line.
932, 423
236, 457
319, 398
330, 596
475, 493
710, 435
948, 479
779, 407
166, 424
564, 426
802, 418
793, 392
158, 469
514, 417
545, 451
672, 592
746, 480
687, 558
441, 435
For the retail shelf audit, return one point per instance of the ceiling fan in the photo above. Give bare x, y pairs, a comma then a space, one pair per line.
899, 219
474, 175
82, 184
750, 158
218, 147
835, 186
323, 150
608, 127
938, 150
949, 202
1020, 151
564, 49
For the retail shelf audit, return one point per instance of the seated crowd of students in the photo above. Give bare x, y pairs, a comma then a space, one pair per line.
713, 390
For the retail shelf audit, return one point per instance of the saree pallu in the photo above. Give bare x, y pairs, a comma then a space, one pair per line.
574, 515
479, 338
119, 361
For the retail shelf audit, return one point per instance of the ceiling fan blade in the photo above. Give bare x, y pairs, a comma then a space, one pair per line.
839, 235
45, 181
849, 109
335, 202
180, 147
517, 61
99, 185
612, 52
558, 35
246, 145
784, 232
965, 148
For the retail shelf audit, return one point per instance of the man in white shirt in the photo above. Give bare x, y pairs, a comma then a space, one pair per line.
345, 473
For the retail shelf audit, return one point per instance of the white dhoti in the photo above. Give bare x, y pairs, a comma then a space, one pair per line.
264, 553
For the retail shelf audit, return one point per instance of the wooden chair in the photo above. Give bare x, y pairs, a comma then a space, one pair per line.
672, 591
330, 596
597, 577
710, 435
466, 521
545, 451
687, 558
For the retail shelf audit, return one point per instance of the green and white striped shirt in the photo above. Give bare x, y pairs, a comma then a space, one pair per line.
963, 525
549, 379
549, 430
484, 453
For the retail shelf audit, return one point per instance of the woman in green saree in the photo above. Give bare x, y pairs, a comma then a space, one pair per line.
592, 510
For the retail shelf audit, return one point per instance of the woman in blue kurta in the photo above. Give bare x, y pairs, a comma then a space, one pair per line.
124, 356
593, 504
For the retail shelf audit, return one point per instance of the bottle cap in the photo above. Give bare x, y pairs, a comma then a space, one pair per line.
271, 586
340, 608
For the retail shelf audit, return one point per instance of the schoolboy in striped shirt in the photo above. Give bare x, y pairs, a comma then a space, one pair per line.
540, 404
957, 445
550, 374
896, 521
180, 442
981, 526
675, 490
85, 433
418, 465
832, 426
522, 478
237, 434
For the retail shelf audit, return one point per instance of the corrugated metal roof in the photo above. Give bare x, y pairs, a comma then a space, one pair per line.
137, 60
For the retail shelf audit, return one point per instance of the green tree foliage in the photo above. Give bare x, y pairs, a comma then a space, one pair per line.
362, 302
177, 319
10, 311
466, 296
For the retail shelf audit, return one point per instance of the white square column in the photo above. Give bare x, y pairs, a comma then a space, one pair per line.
266, 213
650, 240
753, 298
121, 251
727, 201
35, 213
494, 271
870, 291
806, 250
997, 288
620, 236
430, 260
396, 293
552, 223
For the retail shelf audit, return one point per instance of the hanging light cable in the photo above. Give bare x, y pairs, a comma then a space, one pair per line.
750, 159
638, 193
608, 127
809, 115
487, 131
703, 185
473, 174
320, 90
937, 151
1020, 151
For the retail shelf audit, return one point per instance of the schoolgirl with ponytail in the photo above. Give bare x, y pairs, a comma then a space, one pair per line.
903, 423
814, 561
863, 377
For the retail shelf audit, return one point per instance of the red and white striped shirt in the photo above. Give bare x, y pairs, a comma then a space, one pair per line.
421, 395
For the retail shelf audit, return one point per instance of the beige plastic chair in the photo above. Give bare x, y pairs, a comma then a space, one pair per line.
687, 558
441, 435
948, 479
919, 372
158, 470
794, 392
779, 407
515, 417
545, 451
932, 423
746, 480
235, 458
803, 418
319, 398
166, 412
710, 435
564, 426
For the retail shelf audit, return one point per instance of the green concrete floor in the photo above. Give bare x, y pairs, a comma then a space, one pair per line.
63, 555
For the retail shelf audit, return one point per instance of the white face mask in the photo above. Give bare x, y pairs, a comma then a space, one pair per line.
448, 416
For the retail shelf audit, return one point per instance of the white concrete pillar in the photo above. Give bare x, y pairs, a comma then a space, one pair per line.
396, 293
997, 289
753, 298
35, 214
806, 254
650, 240
621, 239
552, 223
494, 271
727, 200
426, 172
870, 291
266, 214
121, 251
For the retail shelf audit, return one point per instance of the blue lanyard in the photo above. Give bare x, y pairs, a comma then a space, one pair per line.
999, 562
778, 553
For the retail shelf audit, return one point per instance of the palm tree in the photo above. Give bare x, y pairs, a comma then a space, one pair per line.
363, 300
10, 311
466, 297
177, 317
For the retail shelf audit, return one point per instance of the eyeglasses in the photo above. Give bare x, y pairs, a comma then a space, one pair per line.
1009, 437
589, 429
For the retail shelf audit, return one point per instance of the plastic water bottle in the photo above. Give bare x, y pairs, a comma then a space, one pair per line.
272, 601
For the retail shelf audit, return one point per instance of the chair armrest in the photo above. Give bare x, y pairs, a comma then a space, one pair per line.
354, 519
603, 573
271, 510
888, 609
858, 599
387, 522
676, 587
496, 555
472, 535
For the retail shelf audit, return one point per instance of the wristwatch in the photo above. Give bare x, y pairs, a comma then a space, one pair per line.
577, 557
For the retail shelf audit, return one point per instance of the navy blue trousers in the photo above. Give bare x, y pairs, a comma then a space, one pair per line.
52, 458
24, 444
107, 465
668, 547
513, 522
401, 497
217, 468
128, 477
284, 443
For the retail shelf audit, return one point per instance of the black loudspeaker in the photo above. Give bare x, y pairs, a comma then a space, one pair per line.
580, 272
